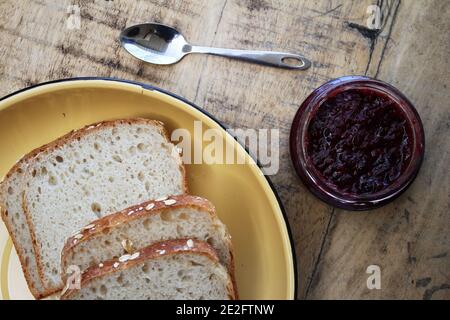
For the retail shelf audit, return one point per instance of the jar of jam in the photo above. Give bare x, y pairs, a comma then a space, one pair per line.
357, 143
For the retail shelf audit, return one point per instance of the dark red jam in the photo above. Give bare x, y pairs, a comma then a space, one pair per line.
359, 141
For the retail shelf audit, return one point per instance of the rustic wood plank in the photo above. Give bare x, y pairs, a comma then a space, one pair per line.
333, 247
408, 239
245, 95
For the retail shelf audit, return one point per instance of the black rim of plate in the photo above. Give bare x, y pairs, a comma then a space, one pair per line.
193, 105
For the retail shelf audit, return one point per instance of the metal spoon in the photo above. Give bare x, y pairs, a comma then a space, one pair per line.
161, 44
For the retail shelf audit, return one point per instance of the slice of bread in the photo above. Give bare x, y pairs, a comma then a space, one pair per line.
169, 270
11, 192
90, 173
137, 227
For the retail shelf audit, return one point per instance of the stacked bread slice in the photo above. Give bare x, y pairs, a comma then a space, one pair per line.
175, 269
88, 178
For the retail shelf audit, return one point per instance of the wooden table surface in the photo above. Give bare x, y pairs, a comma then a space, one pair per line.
410, 238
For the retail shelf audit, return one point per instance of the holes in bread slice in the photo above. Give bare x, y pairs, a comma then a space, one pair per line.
186, 278
167, 216
117, 158
96, 208
103, 290
180, 273
132, 150
196, 264
120, 279
212, 277
52, 180
142, 147
97, 147
211, 241
146, 223
183, 216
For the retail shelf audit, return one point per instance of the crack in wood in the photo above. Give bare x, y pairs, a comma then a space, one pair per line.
373, 34
319, 257
394, 19
321, 14
428, 294
439, 256
421, 283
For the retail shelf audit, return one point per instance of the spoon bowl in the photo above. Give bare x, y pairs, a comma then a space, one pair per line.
154, 43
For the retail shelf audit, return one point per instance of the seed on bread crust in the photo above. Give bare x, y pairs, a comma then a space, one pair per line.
150, 206
162, 198
135, 255
170, 202
115, 265
125, 258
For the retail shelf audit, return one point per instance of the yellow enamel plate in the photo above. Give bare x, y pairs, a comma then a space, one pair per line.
242, 195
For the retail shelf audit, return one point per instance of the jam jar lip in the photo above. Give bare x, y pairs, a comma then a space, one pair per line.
307, 171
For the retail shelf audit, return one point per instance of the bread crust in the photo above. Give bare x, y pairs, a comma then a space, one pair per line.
19, 249
155, 251
31, 285
105, 223
148, 208
34, 155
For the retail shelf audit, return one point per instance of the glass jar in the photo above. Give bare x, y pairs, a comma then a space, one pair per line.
316, 180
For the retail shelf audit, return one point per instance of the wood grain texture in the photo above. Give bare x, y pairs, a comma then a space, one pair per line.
408, 239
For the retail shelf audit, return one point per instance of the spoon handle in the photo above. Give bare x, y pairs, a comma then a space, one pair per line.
268, 58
